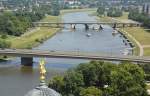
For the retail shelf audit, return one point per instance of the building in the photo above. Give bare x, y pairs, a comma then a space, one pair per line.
146, 8
42, 89
72, 3
1, 6
140, 8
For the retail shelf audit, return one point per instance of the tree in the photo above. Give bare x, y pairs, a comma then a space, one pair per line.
102, 78
100, 10
141, 17
91, 91
136, 72
124, 84
114, 12
96, 73
73, 83
16, 23
57, 83
55, 10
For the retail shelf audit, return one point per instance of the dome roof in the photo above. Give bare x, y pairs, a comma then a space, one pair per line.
42, 90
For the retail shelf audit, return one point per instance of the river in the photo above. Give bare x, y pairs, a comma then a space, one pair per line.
16, 80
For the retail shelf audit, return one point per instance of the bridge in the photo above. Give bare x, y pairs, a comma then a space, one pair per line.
27, 56
87, 24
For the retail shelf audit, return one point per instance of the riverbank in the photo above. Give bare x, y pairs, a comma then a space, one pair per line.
33, 39
138, 35
34, 36
38, 35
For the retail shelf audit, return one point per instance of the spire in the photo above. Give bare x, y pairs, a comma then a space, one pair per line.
42, 70
42, 89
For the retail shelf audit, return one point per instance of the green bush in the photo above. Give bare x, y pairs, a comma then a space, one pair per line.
4, 36
4, 44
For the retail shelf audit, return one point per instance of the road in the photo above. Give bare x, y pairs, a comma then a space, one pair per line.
73, 55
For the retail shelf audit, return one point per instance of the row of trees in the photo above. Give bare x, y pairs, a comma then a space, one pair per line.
141, 17
101, 79
17, 23
112, 12
101, 11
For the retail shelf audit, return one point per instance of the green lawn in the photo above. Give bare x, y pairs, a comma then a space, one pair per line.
31, 40
124, 16
140, 34
136, 49
105, 19
51, 19
147, 51
78, 10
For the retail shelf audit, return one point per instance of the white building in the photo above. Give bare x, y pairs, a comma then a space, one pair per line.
146, 8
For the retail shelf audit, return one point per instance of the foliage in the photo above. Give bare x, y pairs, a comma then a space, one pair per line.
4, 44
100, 10
16, 23
99, 78
91, 91
69, 84
55, 10
57, 83
146, 68
4, 36
128, 80
141, 17
114, 12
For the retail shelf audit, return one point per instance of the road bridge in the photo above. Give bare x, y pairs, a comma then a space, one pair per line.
87, 24
27, 56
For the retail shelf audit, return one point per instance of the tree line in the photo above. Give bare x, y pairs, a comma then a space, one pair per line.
16, 23
111, 12
114, 12
99, 78
141, 17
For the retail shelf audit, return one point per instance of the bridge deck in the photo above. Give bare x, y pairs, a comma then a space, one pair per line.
84, 23
72, 55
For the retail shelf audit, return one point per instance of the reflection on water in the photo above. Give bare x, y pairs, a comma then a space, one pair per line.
16, 80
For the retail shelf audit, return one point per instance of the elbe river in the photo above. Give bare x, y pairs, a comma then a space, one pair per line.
16, 80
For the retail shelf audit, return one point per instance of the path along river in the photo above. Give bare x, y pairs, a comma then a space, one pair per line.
16, 81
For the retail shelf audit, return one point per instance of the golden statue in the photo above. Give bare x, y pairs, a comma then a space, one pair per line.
42, 70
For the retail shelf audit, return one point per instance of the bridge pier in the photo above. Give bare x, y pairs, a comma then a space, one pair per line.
100, 27
58, 25
27, 61
73, 26
114, 26
123, 25
86, 26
